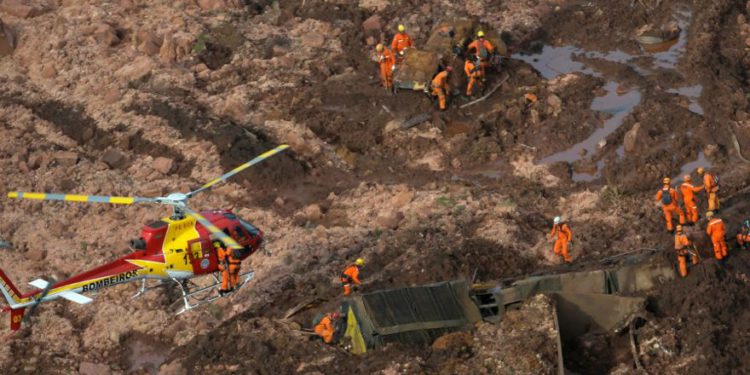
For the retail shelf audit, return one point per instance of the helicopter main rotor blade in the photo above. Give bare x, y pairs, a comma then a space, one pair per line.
239, 169
80, 198
218, 233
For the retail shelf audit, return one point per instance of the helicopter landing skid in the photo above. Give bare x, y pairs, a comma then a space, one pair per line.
204, 295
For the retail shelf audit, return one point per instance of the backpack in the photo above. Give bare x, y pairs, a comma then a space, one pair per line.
666, 198
482, 51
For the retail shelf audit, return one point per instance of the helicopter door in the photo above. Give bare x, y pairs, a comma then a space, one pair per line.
200, 256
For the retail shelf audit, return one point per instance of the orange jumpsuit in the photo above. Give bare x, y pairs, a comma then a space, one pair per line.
234, 269
681, 244
387, 61
671, 208
440, 87
325, 329
223, 254
401, 41
483, 49
716, 229
688, 199
562, 234
711, 190
350, 276
474, 73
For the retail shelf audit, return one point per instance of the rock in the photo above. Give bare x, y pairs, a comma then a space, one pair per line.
372, 23
65, 158
632, 138
402, 199
175, 47
711, 151
136, 70
555, 105
48, 71
279, 202
147, 42
389, 220
6, 40
394, 124
601, 144
20, 8
163, 165
218, 4
172, 368
313, 212
114, 158
313, 40
88, 368
106, 35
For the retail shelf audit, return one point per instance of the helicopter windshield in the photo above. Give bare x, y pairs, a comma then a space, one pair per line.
250, 228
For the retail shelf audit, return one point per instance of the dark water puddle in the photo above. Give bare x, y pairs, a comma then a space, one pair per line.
690, 167
692, 93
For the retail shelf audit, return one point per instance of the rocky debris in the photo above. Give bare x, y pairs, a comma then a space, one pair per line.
137, 70
147, 42
6, 40
389, 220
20, 8
106, 35
554, 105
163, 165
650, 34
88, 368
65, 158
219, 4
114, 158
633, 139
175, 47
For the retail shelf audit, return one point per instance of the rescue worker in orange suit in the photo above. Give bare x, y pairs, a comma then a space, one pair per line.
688, 199
473, 73
350, 276
327, 327
717, 230
387, 64
711, 185
743, 237
222, 253
234, 269
440, 86
682, 245
563, 236
401, 41
668, 197
483, 49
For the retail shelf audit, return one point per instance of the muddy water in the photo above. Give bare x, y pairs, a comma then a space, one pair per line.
668, 58
618, 106
689, 168
692, 93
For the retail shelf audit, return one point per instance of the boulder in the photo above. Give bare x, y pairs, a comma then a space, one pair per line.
106, 35
65, 158
372, 23
389, 220
6, 40
163, 165
554, 105
633, 138
136, 70
313, 212
20, 8
89, 368
313, 40
147, 42
114, 158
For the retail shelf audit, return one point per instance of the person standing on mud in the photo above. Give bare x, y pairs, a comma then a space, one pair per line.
326, 328
743, 237
717, 230
711, 185
473, 73
350, 276
440, 87
483, 50
682, 245
688, 199
222, 254
401, 41
668, 197
387, 64
563, 237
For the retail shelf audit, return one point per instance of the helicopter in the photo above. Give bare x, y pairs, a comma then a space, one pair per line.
173, 249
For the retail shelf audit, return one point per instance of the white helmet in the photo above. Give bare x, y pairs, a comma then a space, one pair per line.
557, 220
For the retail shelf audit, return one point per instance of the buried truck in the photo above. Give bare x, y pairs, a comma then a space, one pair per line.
447, 45
580, 303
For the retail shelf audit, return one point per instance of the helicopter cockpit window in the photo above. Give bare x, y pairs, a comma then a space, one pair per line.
240, 233
250, 228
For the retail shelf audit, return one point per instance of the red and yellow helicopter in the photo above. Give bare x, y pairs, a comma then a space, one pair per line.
175, 248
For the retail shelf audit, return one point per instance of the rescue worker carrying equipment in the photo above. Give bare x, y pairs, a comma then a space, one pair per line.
483, 50
440, 87
350, 276
668, 197
473, 70
682, 246
327, 327
688, 199
401, 41
711, 185
717, 230
387, 64
222, 253
563, 236
743, 237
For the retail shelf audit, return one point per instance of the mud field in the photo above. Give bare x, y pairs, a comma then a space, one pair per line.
143, 98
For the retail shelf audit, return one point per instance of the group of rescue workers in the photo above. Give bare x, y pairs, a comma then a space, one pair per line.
329, 327
478, 56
